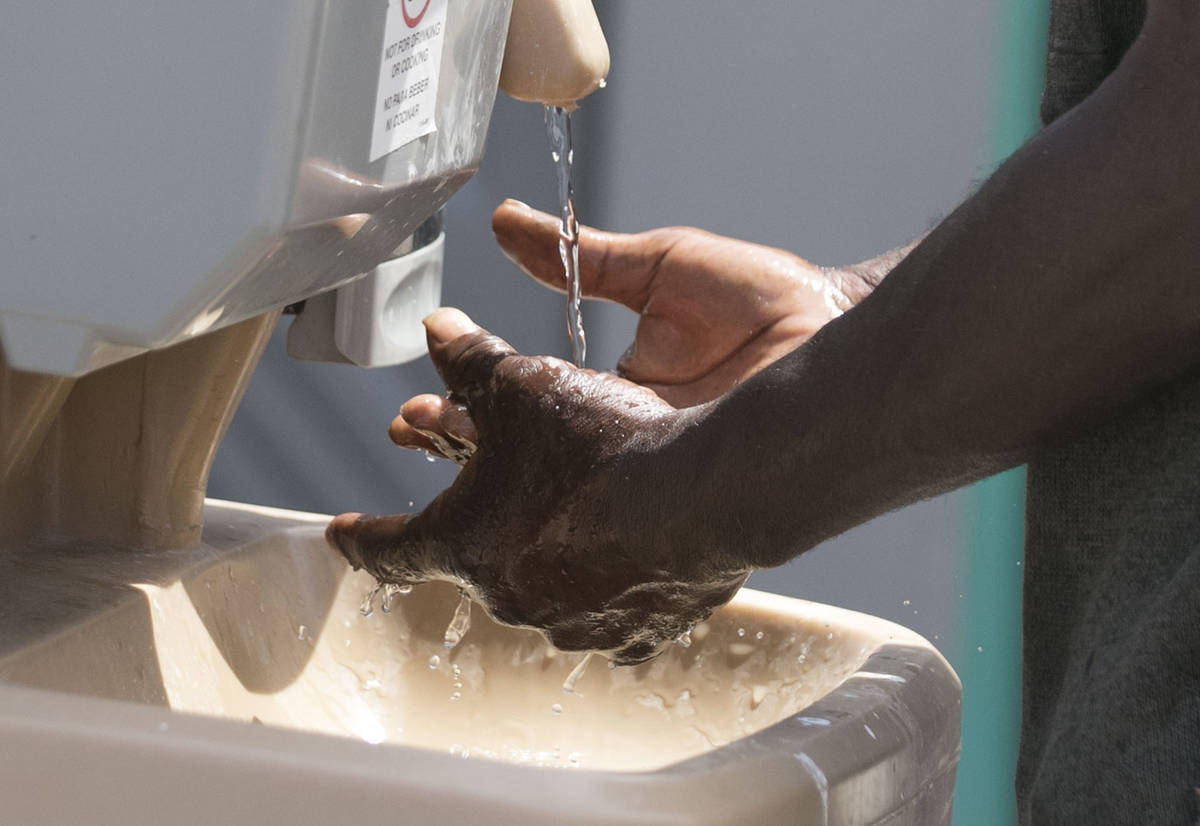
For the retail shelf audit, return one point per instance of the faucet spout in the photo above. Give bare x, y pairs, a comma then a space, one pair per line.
556, 52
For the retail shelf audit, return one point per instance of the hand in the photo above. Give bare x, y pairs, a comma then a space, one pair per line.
713, 311
552, 521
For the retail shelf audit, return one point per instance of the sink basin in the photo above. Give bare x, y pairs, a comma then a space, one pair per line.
140, 680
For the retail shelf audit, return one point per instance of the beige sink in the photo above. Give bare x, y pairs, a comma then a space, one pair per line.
779, 711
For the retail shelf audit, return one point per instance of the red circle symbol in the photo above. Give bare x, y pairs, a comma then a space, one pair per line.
413, 19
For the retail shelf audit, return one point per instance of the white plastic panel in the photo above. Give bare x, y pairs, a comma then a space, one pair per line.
378, 318
175, 167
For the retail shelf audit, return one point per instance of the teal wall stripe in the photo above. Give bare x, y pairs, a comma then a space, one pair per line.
989, 659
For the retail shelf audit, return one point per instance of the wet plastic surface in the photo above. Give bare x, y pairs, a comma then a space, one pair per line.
779, 711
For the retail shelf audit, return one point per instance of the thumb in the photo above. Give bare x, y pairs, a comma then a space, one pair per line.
464, 354
612, 265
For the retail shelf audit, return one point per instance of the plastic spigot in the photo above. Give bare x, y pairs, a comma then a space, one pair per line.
556, 52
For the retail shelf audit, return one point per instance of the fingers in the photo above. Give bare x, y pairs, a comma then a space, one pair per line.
437, 425
458, 425
390, 548
464, 354
363, 539
614, 266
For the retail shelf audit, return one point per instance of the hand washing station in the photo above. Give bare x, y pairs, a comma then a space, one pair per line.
779, 712
164, 657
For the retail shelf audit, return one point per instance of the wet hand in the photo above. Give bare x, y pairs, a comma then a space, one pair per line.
712, 310
538, 525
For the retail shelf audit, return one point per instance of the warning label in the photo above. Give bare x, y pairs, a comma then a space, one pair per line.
413, 35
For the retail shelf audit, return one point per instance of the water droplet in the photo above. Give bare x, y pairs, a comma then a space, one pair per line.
371, 684
603, 82
907, 602
459, 750
455, 695
759, 635
758, 693
556, 708
741, 632
429, 457
302, 632
554, 156
573, 677
368, 604
740, 649
685, 639
434, 662
459, 623
611, 665
390, 592
573, 758
830, 636
979, 648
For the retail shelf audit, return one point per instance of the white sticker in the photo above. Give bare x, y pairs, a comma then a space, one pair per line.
413, 35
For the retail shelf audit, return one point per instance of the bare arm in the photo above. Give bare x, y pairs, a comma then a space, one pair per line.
1065, 289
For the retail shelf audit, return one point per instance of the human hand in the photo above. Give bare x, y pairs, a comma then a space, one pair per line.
712, 310
554, 521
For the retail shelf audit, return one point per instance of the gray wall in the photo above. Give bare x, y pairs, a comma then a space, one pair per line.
834, 129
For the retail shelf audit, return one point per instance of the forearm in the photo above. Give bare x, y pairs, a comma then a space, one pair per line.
1062, 291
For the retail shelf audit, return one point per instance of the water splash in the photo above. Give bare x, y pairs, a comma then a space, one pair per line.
573, 677
390, 592
368, 604
459, 624
562, 152
685, 639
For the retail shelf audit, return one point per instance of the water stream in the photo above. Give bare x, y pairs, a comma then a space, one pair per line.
558, 128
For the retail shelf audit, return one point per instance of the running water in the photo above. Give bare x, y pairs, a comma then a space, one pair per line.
390, 592
558, 127
460, 622
573, 677
368, 604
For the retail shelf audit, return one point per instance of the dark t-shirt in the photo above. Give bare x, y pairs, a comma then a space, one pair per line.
1111, 697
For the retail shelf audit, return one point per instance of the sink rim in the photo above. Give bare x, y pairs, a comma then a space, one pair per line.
818, 751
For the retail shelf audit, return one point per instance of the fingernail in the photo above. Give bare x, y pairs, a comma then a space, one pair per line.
448, 323
516, 203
